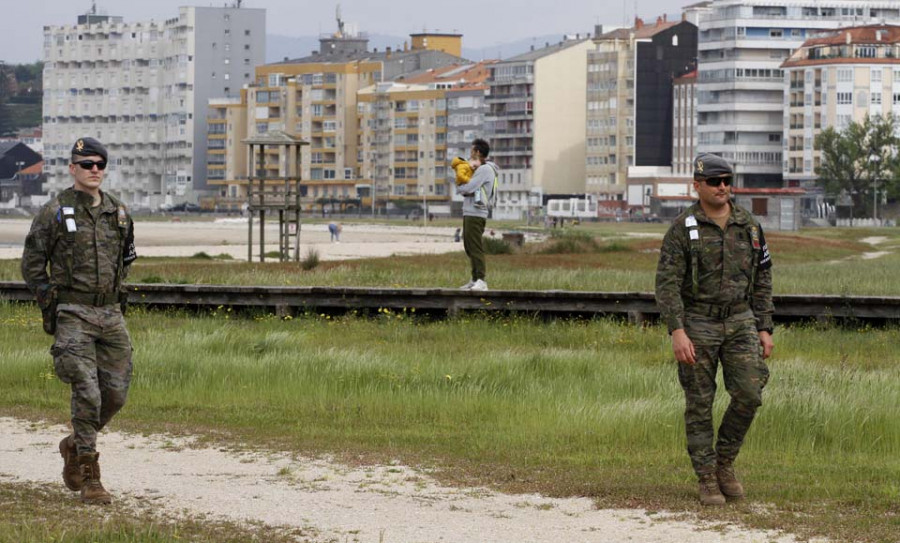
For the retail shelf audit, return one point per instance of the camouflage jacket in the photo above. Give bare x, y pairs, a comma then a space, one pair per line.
92, 254
734, 266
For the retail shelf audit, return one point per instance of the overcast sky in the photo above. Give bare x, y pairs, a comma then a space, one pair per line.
482, 22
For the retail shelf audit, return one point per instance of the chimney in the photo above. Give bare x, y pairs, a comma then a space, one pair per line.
387, 52
638, 23
532, 47
659, 21
598, 29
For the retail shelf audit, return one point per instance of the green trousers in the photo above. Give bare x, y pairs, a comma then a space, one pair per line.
473, 241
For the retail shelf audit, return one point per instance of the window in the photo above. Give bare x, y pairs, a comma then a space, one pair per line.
760, 206
876, 75
844, 75
776, 33
876, 98
844, 98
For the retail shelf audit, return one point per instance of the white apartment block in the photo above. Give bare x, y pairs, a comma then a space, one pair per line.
740, 86
143, 90
832, 81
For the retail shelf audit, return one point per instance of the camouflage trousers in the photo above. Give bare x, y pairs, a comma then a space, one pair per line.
735, 343
92, 353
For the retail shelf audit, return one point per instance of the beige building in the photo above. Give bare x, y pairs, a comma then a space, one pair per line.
403, 141
684, 124
313, 99
536, 125
831, 81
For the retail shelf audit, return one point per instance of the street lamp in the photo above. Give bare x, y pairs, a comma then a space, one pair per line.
424, 207
875, 159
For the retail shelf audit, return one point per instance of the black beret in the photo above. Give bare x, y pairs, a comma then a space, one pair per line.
710, 165
89, 147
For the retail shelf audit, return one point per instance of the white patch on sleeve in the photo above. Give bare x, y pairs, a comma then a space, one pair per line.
68, 211
70, 225
695, 234
690, 221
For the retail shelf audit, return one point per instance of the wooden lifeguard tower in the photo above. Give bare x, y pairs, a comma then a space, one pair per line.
278, 193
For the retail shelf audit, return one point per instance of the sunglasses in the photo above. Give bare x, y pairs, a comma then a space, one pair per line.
716, 181
89, 165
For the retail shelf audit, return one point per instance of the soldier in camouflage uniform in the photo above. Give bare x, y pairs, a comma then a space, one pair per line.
714, 291
87, 238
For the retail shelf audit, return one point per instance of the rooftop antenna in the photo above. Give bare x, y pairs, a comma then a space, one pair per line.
340, 23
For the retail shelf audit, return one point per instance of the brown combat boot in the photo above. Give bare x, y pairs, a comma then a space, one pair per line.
71, 469
709, 490
728, 482
92, 490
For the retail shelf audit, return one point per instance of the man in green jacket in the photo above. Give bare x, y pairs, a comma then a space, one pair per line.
86, 237
714, 291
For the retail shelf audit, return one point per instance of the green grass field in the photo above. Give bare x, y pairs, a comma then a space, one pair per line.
566, 408
824, 261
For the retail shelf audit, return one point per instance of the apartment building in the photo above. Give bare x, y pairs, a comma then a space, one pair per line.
403, 141
315, 98
405, 128
630, 100
536, 125
684, 123
831, 81
740, 83
142, 88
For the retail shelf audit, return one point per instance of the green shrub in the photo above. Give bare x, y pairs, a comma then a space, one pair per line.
310, 261
202, 256
496, 246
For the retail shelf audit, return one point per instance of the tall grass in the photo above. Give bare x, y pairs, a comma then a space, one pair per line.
578, 407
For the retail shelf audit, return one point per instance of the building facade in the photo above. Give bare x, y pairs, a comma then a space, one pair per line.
316, 99
142, 89
740, 83
536, 125
831, 81
684, 123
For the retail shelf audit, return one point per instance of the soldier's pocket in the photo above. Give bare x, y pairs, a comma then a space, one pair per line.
63, 362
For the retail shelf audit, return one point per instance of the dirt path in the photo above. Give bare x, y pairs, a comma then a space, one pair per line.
390, 504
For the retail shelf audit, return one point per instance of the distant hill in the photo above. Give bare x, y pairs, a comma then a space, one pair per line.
278, 47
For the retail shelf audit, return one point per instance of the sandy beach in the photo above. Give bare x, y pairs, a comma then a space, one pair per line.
229, 235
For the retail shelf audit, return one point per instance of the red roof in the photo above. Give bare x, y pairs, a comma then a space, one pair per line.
773, 192
34, 169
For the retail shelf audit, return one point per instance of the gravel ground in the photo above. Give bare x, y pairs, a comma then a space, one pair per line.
384, 504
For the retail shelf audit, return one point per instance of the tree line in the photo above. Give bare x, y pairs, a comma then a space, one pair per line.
21, 96
861, 163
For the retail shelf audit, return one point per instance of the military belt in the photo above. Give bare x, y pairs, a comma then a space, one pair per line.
718, 311
88, 298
